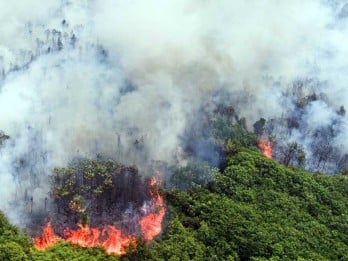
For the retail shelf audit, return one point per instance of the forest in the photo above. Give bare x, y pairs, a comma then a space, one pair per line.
173, 130
248, 208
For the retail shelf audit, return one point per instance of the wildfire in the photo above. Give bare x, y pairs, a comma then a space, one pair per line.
117, 243
113, 240
84, 236
49, 238
266, 148
151, 224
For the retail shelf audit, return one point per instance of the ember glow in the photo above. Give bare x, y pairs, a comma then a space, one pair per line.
266, 148
112, 239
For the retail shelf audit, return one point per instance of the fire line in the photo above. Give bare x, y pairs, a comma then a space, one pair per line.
112, 239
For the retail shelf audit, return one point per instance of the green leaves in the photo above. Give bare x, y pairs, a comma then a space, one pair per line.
198, 174
12, 251
64, 251
258, 209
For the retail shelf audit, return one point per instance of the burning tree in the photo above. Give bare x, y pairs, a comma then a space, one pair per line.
102, 203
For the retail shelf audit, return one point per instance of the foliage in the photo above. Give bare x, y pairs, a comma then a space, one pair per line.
12, 251
87, 188
192, 175
256, 209
64, 251
13, 244
224, 130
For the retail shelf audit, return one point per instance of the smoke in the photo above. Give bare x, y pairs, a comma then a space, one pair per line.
126, 78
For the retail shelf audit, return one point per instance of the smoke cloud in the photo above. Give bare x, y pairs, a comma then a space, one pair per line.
125, 78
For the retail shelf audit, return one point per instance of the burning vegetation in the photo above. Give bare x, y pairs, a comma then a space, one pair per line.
245, 209
102, 203
266, 148
195, 94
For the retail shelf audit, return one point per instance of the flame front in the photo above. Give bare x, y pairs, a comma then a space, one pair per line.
151, 224
49, 238
85, 236
117, 243
110, 238
266, 148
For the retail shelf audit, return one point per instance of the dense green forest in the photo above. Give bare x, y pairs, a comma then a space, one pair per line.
255, 209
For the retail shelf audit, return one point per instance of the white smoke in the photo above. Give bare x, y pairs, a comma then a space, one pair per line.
123, 78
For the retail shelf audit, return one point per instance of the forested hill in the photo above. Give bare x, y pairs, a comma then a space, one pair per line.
256, 209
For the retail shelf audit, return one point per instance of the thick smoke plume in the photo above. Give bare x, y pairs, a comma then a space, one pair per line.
126, 78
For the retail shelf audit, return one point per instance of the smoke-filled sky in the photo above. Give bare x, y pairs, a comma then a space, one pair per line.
104, 76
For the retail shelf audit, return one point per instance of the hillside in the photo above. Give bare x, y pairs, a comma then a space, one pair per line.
173, 130
256, 209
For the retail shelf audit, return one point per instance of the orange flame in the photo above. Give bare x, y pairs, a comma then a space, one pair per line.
83, 236
49, 238
110, 238
117, 243
151, 224
266, 148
